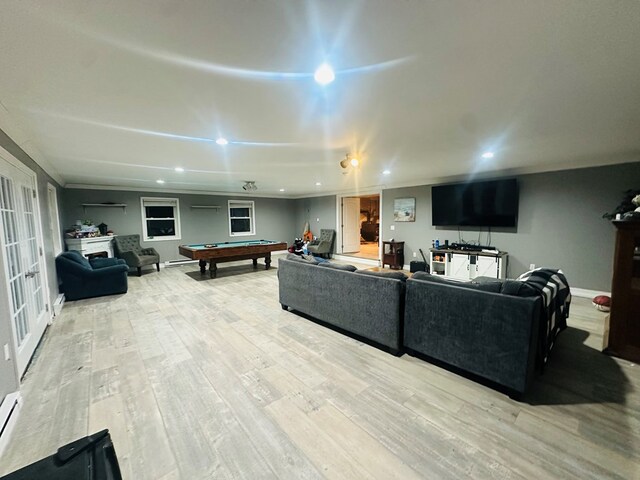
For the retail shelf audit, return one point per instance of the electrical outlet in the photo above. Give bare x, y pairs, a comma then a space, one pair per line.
532, 266
393, 227
7, 356
414, 255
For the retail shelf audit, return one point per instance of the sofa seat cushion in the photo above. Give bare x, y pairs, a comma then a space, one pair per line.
395, 275
338, 266
484, 286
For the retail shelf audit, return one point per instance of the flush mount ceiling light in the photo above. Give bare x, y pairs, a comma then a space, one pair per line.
222, 141
324, 74
250, 186
349, 160
179, 169
160, 181
487, 155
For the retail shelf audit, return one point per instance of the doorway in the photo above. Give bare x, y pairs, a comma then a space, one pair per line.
361, 226
21, 249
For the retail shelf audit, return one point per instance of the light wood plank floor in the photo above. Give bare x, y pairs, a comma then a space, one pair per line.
209, 378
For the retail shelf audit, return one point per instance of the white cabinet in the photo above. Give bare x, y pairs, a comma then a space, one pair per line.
464, 265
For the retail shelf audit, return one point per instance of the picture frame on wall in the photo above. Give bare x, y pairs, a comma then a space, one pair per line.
404, 210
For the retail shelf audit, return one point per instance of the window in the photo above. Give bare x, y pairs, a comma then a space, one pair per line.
160, 218
241, 218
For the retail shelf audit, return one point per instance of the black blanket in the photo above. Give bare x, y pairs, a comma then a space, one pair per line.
552, 285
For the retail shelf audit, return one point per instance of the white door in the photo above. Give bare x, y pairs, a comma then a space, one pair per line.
21, 247
350, 225
459, 266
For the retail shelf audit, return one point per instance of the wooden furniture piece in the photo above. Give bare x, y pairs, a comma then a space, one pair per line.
624, 320
92, 246
393, 254
230, 251
467, 265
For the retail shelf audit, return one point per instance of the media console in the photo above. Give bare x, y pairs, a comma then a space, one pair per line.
467, 265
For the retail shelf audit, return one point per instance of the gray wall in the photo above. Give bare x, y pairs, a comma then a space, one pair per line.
320, 212
274, 217
560, 223
8, 380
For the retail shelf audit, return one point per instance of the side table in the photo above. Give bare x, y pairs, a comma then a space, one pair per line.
393, 254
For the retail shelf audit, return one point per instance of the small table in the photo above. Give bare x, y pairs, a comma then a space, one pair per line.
393, 254
230, 251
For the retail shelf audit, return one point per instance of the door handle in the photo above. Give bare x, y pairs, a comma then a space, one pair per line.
32, 273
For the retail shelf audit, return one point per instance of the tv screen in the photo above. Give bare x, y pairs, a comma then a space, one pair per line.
476, 204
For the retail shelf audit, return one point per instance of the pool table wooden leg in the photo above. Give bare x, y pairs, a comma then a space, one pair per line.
213, 268
267, 261
255, 263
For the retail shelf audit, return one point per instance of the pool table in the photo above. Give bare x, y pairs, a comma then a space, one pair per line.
219, 252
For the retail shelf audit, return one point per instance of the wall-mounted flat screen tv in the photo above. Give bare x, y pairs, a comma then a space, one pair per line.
476, 204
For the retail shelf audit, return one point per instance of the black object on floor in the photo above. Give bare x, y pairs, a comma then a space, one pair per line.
416, 266
89, 458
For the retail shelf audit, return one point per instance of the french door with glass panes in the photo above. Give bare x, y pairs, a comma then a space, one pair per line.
21, 250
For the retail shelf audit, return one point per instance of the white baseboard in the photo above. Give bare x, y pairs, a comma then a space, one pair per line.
9, 412
174, 263
583, 292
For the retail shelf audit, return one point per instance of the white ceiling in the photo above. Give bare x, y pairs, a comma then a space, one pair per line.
121, 92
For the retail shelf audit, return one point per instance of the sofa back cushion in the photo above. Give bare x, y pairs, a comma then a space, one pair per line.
338, 266
518, 288
493, 287
77, 257
395, 275
302, 259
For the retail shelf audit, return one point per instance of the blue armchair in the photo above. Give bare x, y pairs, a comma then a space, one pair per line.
82, 278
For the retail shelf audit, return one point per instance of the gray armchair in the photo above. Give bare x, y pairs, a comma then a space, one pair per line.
128, 248
324, 244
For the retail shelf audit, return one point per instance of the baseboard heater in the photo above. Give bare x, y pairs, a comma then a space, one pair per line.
175, 263
9, 410
58, 304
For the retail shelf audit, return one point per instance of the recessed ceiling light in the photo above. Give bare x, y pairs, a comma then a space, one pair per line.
318, 184
387, 172
324, 74
282, 189
355, 162
159, 181
179, 169
487, 155
222, 141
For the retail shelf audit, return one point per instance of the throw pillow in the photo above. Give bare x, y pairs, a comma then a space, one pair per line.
395, 275
338, 266
518, 288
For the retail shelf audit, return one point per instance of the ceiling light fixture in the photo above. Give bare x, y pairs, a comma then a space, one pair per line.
318, 184
487, 155
349, 160
159, 181
222, 141
386, 172
282, 189
324, 74
179, 169
250, 186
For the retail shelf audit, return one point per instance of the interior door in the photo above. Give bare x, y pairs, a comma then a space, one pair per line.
350, 225
21, 247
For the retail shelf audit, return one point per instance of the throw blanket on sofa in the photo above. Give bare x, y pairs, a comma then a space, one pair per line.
552, 285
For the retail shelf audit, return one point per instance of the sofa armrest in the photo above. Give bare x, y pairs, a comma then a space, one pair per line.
150, 251
107, 271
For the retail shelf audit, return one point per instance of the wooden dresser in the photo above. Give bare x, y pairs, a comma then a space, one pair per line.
623, 336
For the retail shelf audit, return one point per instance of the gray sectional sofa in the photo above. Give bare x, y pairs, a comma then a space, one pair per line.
361, 303
489, 329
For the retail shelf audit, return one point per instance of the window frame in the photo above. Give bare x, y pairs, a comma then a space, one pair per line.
158, 202
252, 217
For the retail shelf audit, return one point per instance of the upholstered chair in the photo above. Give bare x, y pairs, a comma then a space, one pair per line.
128, 248
81, 278
323, 245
